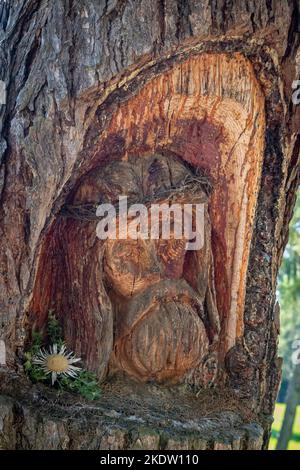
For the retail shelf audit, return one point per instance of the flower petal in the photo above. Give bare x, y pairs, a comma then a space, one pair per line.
53, 377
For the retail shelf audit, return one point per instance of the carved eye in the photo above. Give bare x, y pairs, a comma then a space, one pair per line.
105, 185
131, 265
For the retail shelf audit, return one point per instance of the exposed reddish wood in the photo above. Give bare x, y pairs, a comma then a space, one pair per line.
208, 110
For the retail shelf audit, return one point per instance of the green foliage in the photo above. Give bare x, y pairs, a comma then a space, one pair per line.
35, 373
54, 330
84, 384
289, 293
294, 443
37, 342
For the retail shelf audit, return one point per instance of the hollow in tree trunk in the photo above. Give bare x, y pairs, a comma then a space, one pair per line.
163, 101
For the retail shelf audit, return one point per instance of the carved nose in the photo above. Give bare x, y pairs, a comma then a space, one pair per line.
132, 265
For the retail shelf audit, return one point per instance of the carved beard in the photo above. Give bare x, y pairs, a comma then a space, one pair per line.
161, 335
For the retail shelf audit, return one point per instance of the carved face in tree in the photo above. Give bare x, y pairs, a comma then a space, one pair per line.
146, 307
163, 296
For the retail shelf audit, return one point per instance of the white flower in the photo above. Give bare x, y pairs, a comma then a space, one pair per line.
57, 363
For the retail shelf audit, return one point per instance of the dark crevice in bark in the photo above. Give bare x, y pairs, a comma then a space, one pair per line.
31, 56
4, 14
12, 45
183, 24
226, 13
269, 4
71, 15
161, 16
294, 33
116, 12
25, 14
253, 21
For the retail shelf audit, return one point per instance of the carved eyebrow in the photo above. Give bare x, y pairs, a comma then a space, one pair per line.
127, 178
192, 184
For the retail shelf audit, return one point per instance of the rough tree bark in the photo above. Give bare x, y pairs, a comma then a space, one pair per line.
89, 82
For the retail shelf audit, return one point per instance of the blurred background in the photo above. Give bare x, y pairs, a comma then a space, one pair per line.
286, 426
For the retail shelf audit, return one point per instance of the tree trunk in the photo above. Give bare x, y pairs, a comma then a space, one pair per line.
103, 95
293, 395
